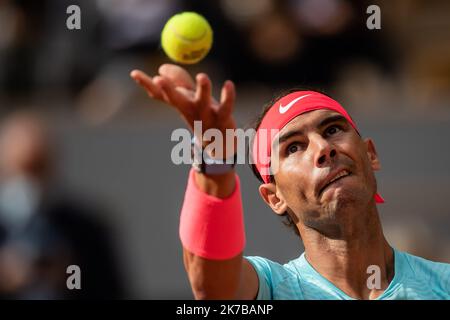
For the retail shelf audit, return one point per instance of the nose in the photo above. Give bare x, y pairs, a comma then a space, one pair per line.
324, 151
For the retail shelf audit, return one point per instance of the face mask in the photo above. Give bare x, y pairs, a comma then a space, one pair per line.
19, 199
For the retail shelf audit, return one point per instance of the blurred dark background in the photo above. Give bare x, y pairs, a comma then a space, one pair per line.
85, 169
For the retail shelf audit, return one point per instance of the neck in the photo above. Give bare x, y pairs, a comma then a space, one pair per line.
345, 260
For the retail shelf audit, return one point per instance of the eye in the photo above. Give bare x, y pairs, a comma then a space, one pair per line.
292, 148
333, 129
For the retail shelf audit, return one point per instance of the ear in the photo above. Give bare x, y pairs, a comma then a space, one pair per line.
372, 154
268, 192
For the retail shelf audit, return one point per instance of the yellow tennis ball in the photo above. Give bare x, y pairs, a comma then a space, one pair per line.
187, 37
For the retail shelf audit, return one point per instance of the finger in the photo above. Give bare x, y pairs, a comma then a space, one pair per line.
178, 75
190, 94
174, 97
203, 92
227, 98
160, 82
147, 83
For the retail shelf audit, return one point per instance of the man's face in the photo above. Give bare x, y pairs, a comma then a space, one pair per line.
312, 149
24, 146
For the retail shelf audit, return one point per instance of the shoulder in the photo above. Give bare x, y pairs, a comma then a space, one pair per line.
436, 274
276, 281
420, 265
272, 268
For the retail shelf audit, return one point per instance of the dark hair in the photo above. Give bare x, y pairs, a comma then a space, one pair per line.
287, 220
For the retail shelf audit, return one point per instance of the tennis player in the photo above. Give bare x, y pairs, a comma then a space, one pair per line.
317, 171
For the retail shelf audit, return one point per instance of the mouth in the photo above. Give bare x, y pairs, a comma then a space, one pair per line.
342, 174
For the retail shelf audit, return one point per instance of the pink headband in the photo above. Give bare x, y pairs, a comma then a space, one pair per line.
280, 114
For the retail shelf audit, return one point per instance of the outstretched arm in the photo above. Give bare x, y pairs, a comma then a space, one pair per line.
231, 278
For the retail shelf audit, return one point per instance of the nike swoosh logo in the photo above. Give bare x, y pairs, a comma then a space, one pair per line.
290, 104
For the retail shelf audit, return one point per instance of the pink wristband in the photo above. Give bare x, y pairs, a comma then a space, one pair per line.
211, 227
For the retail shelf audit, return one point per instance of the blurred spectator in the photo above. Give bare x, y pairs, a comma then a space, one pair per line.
135, 22
293, 42
20, 34
42, 230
